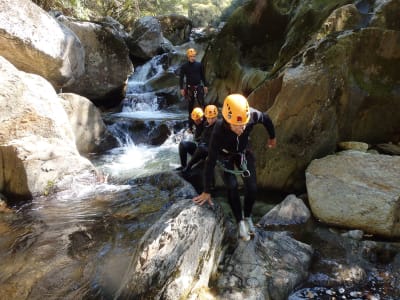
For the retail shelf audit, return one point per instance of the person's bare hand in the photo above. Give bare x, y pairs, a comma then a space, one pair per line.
205, 90
271, 143
203, 198
183, 93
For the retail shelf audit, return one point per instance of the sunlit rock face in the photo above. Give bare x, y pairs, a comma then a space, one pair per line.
91, 134
107, 63
356, 190
176, 28
324, 74
38, 148
35, 42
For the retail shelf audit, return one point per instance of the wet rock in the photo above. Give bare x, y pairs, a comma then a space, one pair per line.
363, 147
291, 210
268, 267
36, 43
391, 149
356, 190
177, 255
354, 234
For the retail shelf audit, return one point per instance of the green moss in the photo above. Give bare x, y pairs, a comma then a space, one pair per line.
307, 20
373, 85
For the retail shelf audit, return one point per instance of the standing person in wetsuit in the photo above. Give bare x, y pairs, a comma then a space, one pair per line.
192, 83
229, 145
211, 114
190, 147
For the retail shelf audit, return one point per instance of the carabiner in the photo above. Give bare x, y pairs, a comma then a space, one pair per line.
246, 173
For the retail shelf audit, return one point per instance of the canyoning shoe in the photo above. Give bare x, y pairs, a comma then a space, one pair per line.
250, 225
243, 231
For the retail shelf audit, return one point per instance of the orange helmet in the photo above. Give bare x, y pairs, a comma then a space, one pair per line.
236, 110
211, 111
197, 113
190, 52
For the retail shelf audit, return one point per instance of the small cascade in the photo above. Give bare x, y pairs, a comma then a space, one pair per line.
137, 82
147, 128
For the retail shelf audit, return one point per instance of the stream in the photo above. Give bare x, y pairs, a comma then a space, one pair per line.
77, 244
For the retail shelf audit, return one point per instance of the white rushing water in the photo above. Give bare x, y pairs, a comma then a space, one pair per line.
131, 160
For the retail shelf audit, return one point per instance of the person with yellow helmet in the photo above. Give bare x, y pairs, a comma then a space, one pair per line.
229, 146
211, 114
192, 82
185, 147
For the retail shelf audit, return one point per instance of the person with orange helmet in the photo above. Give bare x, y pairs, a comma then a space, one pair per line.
185, 147
229, 146
211, 115
192, 82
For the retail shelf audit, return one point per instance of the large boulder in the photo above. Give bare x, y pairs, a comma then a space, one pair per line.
269, 267
305, 65
107, 63
146, 38
37, 145
177, 255
385, 15
36, 43
356, 190
337, 93
176, 28
91, 134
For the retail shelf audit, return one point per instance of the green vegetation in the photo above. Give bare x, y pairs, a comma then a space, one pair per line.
127, 12
124, 11
49, 189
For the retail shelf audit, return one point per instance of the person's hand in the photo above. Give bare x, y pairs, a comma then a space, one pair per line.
271, 143
183, 92
205, 90
203, 198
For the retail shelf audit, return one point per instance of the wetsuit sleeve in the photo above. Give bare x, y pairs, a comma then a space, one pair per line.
205, 136
212, 157
264, 119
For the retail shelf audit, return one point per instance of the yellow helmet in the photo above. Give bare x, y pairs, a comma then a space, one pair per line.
197, 113
211, 111
190, 52
236, 110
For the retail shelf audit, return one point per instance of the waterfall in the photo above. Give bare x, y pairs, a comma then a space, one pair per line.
145, 119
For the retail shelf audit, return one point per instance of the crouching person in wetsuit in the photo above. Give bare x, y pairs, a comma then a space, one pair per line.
229, 145
190, 147
211, 114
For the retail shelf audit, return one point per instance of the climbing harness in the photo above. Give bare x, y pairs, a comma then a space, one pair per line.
193, 91
244, 172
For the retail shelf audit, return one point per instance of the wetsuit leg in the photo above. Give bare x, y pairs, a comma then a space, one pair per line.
231, 184
192, 146
250, 185
200, 153
186, 147
200, 97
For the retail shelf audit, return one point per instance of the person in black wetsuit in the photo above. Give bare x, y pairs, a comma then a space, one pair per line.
190, 147
229, 145
192, 83
211, 114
